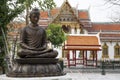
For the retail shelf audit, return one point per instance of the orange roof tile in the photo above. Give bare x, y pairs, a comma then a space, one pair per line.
54, 11
83, 15
106, 27
82, 40
43, 14
82, 43
109, 35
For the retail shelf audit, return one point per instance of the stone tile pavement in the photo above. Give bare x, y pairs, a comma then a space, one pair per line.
77, 73
71, 76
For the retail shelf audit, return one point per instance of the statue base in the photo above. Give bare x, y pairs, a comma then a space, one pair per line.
32, 67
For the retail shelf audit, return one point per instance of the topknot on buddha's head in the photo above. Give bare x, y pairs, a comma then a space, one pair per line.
35, 11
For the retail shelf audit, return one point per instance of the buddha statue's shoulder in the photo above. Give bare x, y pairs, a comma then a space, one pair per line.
23, 28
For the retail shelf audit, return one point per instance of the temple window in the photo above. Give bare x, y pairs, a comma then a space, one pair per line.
67, 19
75, 30
64, 19
105, 51
60, 19
117, 51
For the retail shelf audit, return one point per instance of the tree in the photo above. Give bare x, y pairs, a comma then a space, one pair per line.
115, 15
113, 2
9, 9
55, 34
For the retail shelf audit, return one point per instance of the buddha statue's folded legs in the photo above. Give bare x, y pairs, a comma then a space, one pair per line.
37, 54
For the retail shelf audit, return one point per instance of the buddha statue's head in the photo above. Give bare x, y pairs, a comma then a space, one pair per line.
34, 15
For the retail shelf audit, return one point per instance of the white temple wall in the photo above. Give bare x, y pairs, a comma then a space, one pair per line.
110, 50
99, 53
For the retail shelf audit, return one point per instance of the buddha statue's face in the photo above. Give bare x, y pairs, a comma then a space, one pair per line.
34, 18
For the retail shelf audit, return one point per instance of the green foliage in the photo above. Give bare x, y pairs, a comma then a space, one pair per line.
55, 34
46, 4
9, 9
43, 4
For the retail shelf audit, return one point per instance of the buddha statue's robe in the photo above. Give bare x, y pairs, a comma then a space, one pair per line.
33, 43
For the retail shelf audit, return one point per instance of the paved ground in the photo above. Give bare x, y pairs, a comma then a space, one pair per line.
78, 73
88, 69
92, 73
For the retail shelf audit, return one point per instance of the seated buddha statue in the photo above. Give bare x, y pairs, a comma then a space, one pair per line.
33, 41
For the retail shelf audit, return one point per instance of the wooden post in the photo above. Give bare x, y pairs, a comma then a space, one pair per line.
68, 58
96, 58
75, 57
93, 58
86, 58
83, 57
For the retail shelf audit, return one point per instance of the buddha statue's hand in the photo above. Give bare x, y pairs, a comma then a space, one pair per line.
24, 46
40, 49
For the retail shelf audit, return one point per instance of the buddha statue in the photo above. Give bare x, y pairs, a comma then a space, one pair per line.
33, 41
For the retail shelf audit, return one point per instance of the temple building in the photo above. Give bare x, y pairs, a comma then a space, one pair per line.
78, 22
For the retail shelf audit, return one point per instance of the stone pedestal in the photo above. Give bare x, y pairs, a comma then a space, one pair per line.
36, 67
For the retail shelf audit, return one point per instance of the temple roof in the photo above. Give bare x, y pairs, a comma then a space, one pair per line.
54, 11
83, 14
110, 36
104, 27
83, 42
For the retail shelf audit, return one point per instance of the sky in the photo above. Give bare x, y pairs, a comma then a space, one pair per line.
99, 10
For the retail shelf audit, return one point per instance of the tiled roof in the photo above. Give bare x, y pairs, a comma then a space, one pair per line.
83, 15
105, 27
110, 36
43, 14
54, 11
82, 42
